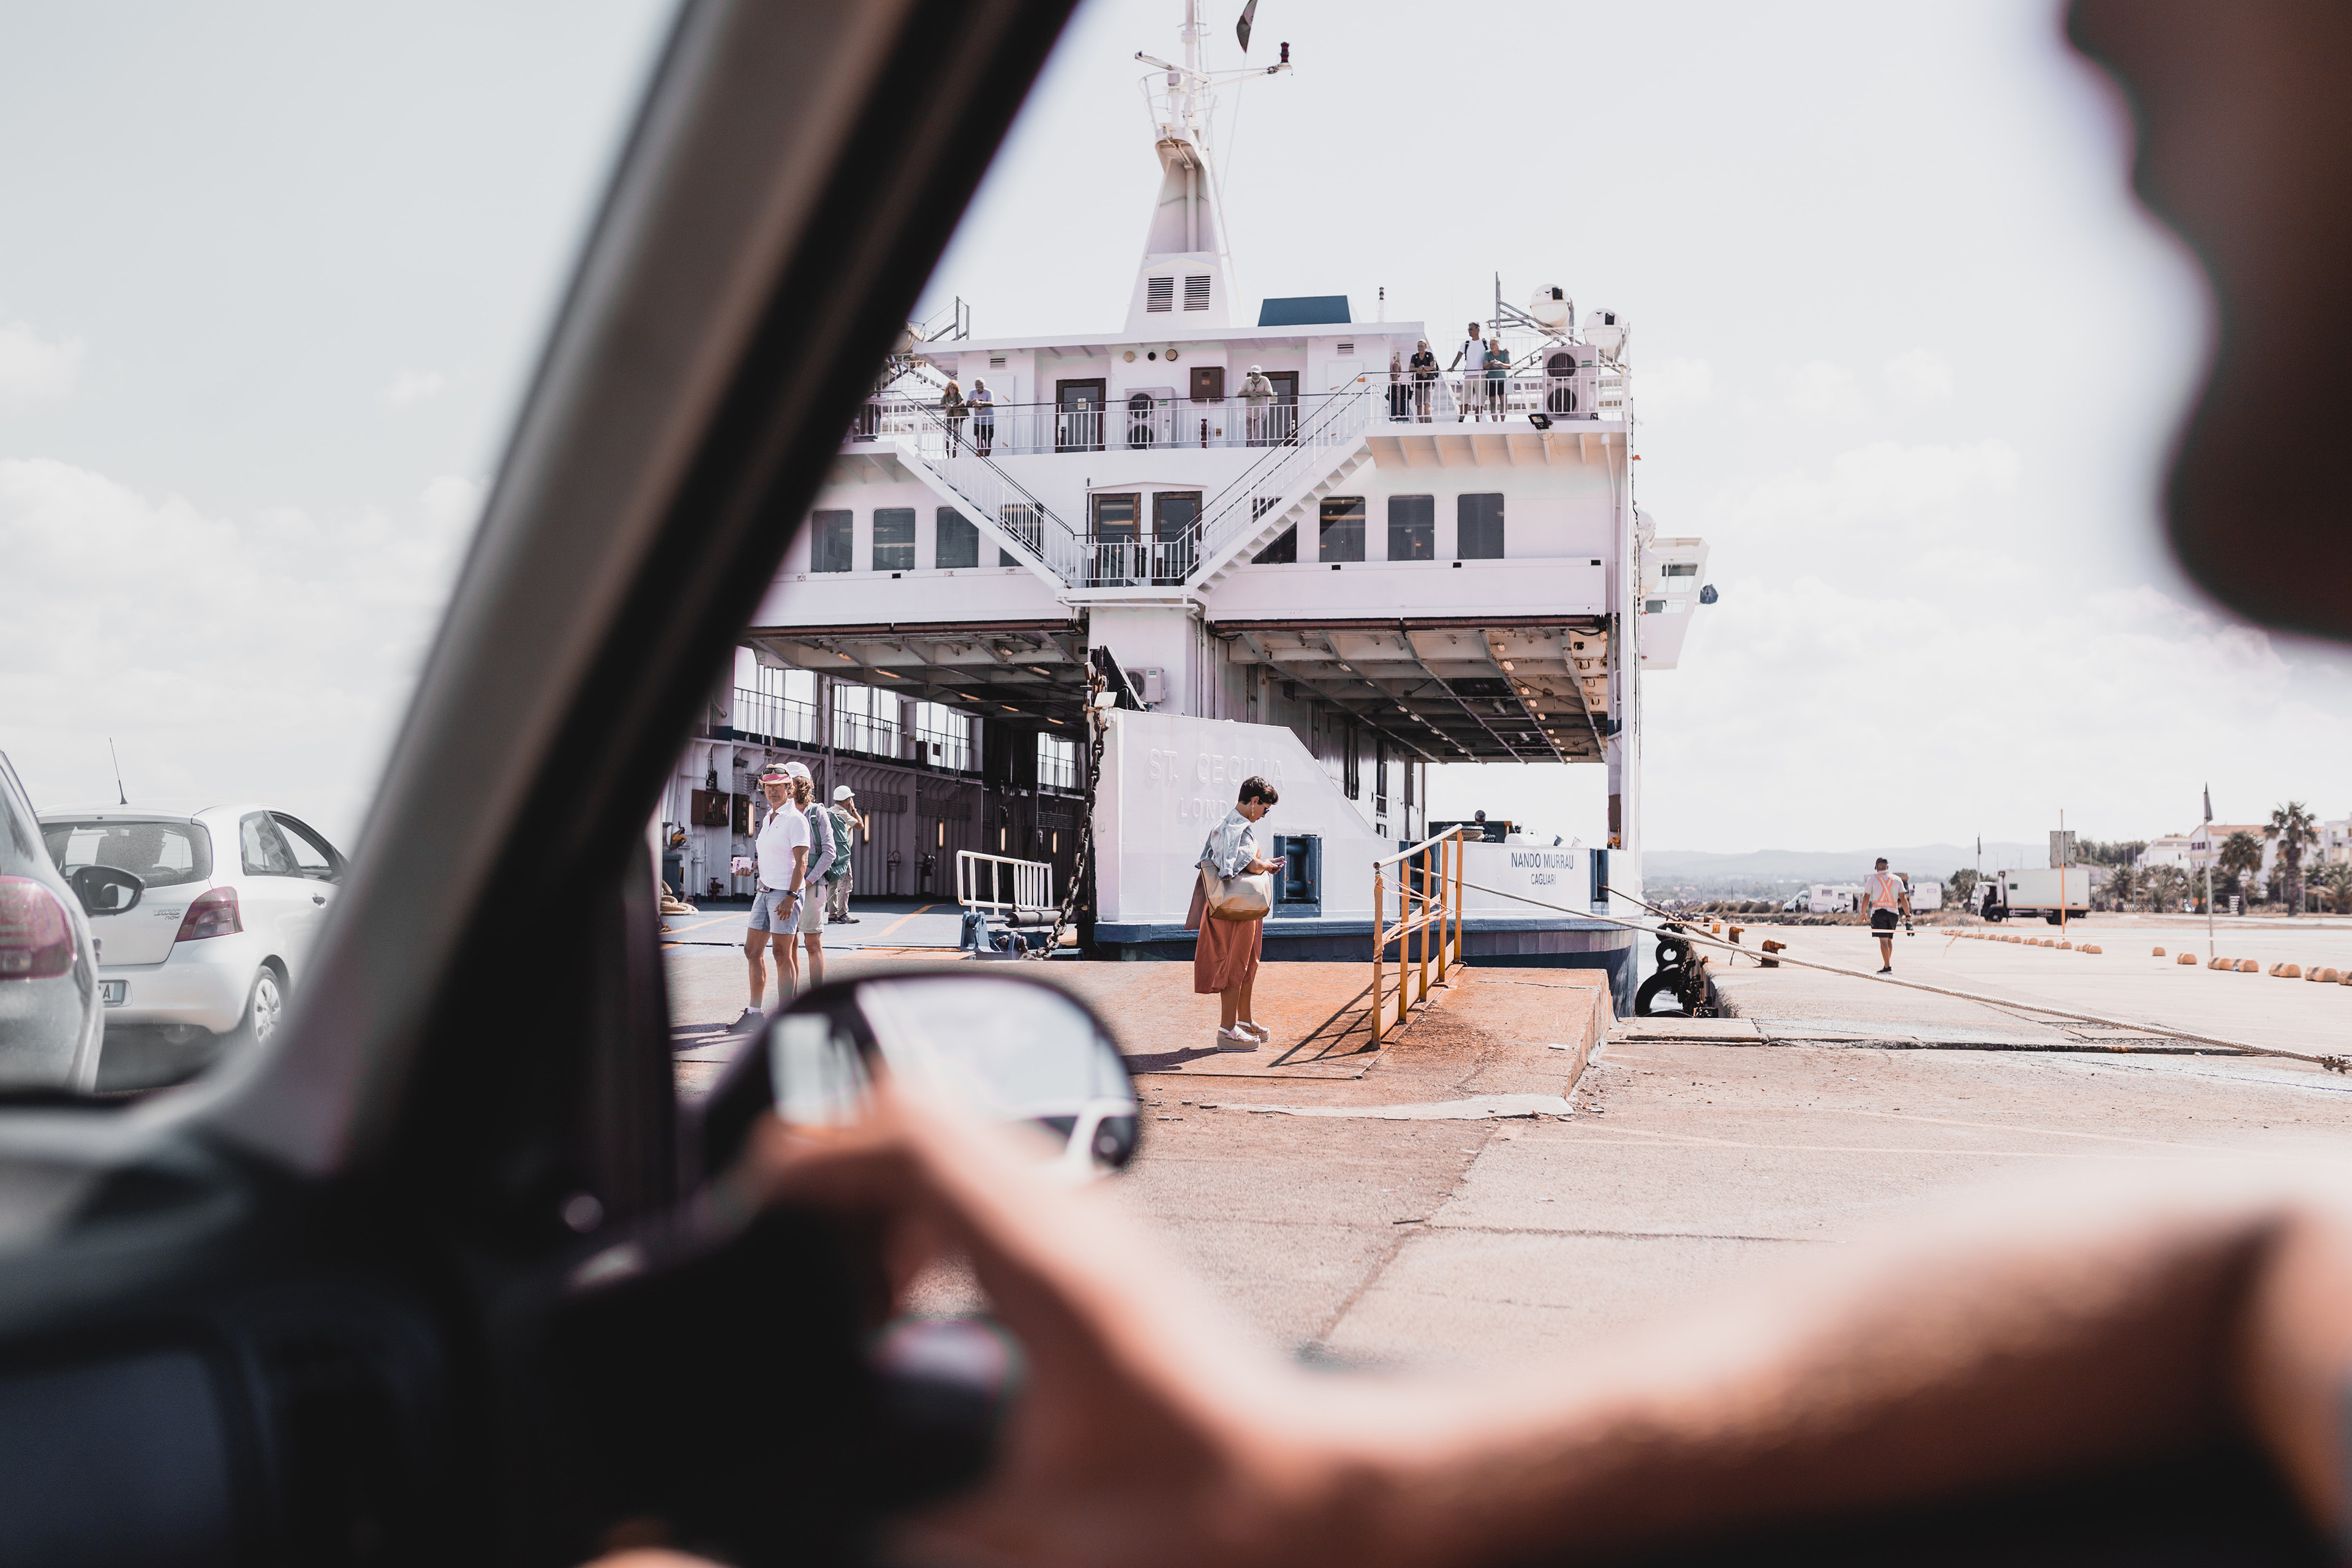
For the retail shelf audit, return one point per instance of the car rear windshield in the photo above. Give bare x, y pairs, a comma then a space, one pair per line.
159, 853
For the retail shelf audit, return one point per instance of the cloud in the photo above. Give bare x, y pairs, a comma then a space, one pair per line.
33, 369
1924, 492
1825, 716
1818, 390
267, 657
1919, 377
1672, 384
412, 386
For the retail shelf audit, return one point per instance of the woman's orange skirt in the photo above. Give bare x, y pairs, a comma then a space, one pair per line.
1226, 956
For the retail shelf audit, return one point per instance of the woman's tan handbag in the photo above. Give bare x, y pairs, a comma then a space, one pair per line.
1246, 898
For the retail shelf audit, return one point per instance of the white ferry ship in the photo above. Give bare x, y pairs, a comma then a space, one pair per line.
1283, 550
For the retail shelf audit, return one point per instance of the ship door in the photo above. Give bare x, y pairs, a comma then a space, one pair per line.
1559, 382
1174, 515
1282, 418
1079, 415
1117, 543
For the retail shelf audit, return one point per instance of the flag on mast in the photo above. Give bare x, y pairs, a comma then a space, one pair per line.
2209, 803
1241, 30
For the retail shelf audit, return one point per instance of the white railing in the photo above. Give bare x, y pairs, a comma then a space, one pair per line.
1135, 562
945, 446
1029, 883
1139, 424
1447, 399
1277, 480
772, 716
855, 732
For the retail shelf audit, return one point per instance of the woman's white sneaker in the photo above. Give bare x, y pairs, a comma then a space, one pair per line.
1234, 1040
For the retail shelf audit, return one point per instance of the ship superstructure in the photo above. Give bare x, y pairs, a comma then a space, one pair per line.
1286, 548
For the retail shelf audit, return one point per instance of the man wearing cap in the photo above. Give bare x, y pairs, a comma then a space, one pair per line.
781, 851
1883, 894
1257, 389
849, 822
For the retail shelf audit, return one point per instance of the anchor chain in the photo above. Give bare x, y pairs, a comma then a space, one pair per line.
1095, 730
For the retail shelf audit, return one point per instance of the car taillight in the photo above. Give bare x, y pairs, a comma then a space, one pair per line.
36, 933
213, 913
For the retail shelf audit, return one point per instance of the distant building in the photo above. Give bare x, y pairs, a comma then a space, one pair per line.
2336, 842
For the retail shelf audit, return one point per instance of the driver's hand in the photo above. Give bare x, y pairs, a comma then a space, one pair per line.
1151, 1427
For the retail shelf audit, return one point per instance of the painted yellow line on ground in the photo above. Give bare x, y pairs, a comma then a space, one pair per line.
902, 920
681, 930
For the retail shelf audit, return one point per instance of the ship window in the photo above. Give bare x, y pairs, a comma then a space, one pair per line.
1159, 295
1196, 292
1478, 528
1114, 516
1346, 350
996, 361
956, 543
832, 546
894, 539
1282, 551
1682, 569
1057, 762
1342, 536
1412, 528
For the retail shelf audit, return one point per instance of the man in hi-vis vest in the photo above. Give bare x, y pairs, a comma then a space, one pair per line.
1885, 897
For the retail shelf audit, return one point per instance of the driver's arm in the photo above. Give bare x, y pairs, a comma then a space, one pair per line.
1991, 1348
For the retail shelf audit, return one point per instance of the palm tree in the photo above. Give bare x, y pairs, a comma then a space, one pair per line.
2241, 856
2165, 887
2338, 880
2125, 885
2296, 830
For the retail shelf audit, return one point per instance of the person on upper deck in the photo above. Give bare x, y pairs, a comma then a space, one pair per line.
1398, 397
982, 405
1498, 378
1472, 363
1424, 380
953, 410
1257, 393
1224, 961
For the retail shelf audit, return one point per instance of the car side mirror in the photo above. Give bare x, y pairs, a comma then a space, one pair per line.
105, 890
1007, 1047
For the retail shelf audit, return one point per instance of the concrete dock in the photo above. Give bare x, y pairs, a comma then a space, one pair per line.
1516, 1175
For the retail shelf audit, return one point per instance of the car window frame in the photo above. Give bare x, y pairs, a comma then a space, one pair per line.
297, 829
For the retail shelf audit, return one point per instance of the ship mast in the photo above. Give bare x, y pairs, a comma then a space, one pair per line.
1186, 234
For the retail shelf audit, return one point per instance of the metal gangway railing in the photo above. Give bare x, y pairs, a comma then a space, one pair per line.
1292, 467
1429, 922
945, 446
1017, 891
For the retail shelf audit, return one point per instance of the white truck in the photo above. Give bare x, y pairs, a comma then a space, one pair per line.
2036, 891
1827, 898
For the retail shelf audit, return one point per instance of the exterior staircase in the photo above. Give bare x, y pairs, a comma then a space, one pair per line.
1285, 487
993, 501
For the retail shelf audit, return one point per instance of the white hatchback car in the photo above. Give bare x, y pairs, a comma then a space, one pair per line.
235, 895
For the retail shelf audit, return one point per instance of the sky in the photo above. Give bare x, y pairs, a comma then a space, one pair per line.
272, 279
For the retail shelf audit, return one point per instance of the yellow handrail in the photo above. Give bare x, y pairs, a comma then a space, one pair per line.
1429, 896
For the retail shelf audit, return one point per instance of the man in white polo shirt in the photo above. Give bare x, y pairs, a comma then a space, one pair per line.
782, 852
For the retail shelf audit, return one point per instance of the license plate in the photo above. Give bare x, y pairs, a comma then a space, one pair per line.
113, 993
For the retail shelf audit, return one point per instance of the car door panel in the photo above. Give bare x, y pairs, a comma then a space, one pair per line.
369, 1224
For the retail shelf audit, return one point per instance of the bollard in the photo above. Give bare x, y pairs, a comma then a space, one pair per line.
2248, 966
2066, 945
2223, 963
2160, 952
2184, 958
2086, 947
1771, 946
2326, 976
2286, 971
